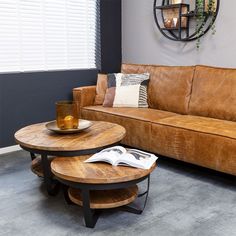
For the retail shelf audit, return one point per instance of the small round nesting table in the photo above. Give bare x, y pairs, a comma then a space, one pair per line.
96, 186
37, 139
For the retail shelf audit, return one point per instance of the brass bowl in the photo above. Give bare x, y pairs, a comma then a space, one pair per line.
83, 125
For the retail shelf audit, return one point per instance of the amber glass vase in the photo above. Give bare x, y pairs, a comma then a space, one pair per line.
67, 115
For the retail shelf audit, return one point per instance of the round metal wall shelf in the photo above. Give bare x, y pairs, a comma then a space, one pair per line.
184, 21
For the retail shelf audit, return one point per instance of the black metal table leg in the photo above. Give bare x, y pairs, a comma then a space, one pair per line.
90, 216
135, 210
66, 194
32, 155
53, 186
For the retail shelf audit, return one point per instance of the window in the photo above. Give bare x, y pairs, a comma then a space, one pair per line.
41, 35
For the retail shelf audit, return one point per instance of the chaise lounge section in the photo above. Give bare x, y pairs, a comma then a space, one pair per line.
191, 115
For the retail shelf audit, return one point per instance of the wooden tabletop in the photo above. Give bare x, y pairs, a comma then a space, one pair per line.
100, 134
76, 170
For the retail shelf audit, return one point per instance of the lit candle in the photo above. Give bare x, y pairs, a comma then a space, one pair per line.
68, 122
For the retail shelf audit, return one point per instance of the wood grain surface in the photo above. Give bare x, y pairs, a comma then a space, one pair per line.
101, 199
100, 134
76, 170
36, 166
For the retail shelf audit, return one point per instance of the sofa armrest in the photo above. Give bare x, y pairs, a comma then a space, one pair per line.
84, 96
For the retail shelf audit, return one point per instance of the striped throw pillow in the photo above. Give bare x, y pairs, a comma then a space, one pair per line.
126, 90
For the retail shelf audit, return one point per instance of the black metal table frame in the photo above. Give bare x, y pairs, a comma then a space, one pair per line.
91, 215
52, 185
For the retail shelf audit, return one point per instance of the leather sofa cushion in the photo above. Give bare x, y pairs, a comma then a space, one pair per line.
101, 88
135, 120
203, 124
213, 93
169, 87
144, 114
203, 141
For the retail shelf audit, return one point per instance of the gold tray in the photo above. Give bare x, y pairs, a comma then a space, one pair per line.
83, 124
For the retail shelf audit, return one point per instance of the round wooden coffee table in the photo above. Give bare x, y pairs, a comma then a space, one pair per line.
100, 185
37, 139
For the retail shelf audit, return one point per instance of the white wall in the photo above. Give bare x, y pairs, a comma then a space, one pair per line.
143, 43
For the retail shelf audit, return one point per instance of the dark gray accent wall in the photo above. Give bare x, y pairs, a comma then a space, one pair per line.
110, 35
27, 98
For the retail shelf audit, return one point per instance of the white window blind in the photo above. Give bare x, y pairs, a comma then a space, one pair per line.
40, 35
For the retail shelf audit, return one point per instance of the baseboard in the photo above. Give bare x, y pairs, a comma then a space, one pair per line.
10, 149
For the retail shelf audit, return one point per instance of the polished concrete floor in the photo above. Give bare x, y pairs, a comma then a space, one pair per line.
184, 200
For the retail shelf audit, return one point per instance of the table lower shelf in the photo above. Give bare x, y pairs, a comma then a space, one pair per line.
102, 199
36, 166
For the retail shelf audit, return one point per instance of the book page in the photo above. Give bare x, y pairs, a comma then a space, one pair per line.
139, 154
118, 150
137, 158
110, 155
118, 155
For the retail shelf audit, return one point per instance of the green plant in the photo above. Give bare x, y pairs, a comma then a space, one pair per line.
199, 20
201, 15
211, 11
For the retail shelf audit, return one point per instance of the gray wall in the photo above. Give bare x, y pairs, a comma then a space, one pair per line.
143, 43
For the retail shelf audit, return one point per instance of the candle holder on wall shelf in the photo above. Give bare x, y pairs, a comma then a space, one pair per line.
181, 21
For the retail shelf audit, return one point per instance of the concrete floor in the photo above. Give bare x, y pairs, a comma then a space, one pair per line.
184, 200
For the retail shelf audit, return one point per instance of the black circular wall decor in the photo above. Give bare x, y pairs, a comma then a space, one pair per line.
185, 20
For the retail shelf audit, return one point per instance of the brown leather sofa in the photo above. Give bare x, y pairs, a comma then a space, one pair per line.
191, 115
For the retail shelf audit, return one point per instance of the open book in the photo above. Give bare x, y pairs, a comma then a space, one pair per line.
118, 155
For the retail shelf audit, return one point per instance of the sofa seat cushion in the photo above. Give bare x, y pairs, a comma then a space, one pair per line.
144, 114
204, 141
137, 121
203, 124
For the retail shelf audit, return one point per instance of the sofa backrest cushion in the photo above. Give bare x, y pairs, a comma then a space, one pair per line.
101, 89
169, 88
214, 93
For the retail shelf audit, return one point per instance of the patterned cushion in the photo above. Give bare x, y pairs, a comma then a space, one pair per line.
126, 90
